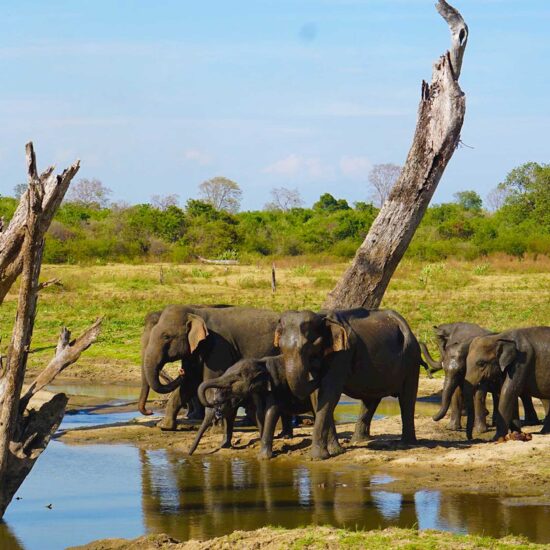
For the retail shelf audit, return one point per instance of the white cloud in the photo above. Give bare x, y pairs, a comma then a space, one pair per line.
289, 166
355, 167
295, 165
197, 156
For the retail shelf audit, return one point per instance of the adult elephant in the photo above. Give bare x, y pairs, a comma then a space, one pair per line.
519, 361
453, 340
366, 354
208, 340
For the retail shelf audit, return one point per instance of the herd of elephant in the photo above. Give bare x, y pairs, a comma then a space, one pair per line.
280, 365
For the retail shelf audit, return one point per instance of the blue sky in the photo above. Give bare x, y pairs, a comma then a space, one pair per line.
155, 97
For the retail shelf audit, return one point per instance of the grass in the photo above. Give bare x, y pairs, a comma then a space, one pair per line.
330, 538
500, 294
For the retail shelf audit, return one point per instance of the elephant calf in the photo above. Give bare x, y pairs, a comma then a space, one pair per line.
519, 359
262, 381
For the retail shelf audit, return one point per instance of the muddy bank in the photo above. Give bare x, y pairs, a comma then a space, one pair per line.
329, 538
442, 459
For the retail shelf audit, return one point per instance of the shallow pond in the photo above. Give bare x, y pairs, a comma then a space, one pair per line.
99, 491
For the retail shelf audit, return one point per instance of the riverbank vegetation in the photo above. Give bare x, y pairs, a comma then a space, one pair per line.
89, 230
497, 292
320, 538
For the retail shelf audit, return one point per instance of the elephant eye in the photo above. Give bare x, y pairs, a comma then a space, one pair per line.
166, 337
481, 363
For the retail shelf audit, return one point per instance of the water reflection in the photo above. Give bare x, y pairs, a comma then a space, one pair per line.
120, 491
210, 496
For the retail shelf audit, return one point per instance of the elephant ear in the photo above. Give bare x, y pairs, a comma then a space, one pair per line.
506, 353
277, 335
196, 331
442, 336
337, 337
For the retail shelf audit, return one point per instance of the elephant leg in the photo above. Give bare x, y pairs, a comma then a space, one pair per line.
480, 408
259, 410
507, 409
195, 410
496, 401
515, 425
546, 425
327, 399
407, 403
457, 403
173, 407
529, 413
333, 445
362, 426
271, 417
287, 432
229, 422
208, 420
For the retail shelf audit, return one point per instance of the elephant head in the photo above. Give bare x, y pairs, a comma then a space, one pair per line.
488, 358
238, 382
304, 339
177, 335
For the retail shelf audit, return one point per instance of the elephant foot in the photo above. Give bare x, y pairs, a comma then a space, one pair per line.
167, 424
454, 425
335, 450
286, 434
544, 431
319, 454
409, 440
265, 454
360, 438
226, 445
531, 422
145, 412
480, 428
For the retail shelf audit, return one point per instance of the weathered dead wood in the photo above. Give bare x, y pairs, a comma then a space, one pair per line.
25, 434
440, 117
66, 354
54, 188
218, 262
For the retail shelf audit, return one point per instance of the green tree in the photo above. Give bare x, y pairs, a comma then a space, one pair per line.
469, 200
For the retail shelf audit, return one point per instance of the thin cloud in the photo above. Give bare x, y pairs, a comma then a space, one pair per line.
197, 156
305, 167
355, 167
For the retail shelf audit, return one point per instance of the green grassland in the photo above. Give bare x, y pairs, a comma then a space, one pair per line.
498, 293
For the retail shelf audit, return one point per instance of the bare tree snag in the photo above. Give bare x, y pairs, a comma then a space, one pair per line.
24, 434
440, 117
53, 189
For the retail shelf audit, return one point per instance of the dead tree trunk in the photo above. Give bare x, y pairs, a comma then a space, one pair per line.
437, 135
25, 434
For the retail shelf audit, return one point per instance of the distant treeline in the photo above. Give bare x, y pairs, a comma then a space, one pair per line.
463, 229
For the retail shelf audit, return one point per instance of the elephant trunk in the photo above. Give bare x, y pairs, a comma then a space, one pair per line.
468, 392
300, 380
449, 387
151, 367
207, 385
434, 365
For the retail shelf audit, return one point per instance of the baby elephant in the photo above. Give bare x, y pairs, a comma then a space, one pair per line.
264, 382
519, 359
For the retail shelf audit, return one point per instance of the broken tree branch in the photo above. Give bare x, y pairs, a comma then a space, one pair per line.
440, 118
66, 354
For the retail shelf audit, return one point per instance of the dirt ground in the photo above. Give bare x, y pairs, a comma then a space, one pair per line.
441, 459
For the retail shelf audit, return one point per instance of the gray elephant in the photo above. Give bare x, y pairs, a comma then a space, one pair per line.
366, 354
453, 340
519, 361
264, 382
208, 341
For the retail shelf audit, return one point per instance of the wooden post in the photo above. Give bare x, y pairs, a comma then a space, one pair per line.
273, 279
440, 117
